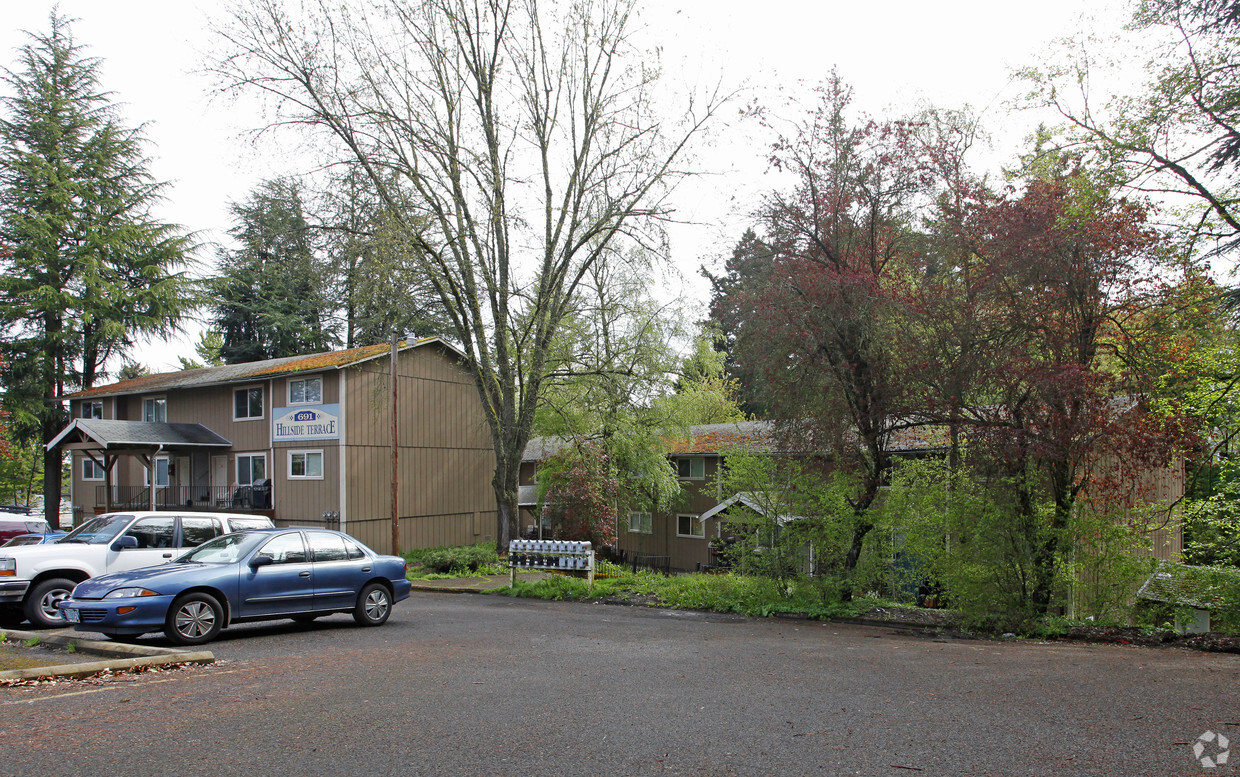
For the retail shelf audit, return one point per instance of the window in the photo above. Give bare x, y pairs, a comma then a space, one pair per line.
691, 469
251, 467
92, 409
305, 465
285, 549
241, 524
195, 531
153, 532
327, 547
154, 410
248, 403
161, 473
640, 523
690, 526
91, 470
305, 391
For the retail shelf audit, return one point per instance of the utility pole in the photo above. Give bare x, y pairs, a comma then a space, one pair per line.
395, 452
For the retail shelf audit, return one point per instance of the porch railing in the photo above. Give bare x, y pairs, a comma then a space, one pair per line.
211, 498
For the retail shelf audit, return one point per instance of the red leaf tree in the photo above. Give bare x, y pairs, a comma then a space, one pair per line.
1081, 294
820, 326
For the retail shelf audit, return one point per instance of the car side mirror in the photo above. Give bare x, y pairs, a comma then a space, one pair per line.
125, 542
261, 561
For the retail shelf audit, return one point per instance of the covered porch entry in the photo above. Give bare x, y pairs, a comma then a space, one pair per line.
181, 461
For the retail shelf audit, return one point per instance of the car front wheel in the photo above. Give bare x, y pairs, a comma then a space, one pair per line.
194, 619
41, 605
374, 605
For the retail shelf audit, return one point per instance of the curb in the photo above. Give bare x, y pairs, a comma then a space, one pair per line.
122, 656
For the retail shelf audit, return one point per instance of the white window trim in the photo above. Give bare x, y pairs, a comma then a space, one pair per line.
690, 459
306, 451
154, 469
263, 401
154, 399
87, 460
237, 466
289, 388
693, 518
639, 531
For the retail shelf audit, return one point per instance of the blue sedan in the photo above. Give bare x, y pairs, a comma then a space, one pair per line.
263, 574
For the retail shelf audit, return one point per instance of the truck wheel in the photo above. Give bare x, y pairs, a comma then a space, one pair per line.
42, 599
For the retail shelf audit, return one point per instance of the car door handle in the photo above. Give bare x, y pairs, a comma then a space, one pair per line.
303, 574
167, 555
365, 569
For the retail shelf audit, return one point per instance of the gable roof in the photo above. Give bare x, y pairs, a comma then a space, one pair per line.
114, 435
757, 436
271, 368
748, 500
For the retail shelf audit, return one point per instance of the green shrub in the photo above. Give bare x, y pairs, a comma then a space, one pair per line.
458, 560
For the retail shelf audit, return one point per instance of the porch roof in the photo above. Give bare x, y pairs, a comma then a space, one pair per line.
748, 500
131, 435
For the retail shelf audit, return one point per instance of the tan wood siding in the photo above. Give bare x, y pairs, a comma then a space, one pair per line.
446, 459
304, 499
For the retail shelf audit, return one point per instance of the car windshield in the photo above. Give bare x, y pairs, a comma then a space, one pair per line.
23, 539
222, 550
99, 531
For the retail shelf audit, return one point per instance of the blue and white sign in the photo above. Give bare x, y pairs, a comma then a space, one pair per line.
306, 422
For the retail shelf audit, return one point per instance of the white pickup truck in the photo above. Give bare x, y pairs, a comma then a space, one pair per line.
33, 578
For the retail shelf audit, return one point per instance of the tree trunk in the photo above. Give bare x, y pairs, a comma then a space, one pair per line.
52, 480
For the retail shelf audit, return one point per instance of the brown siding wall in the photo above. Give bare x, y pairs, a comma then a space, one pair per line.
685, 553
446, 458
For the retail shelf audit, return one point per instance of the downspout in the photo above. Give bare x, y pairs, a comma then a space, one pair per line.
271, 448
341, 509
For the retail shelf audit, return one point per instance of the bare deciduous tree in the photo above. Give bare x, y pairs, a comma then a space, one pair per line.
528, 134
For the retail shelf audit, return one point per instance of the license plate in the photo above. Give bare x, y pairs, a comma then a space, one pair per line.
73, 616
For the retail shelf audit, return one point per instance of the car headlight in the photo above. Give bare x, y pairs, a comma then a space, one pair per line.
8, 566
129, 593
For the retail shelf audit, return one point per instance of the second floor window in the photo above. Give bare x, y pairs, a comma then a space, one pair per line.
690, 469
92, 409
91, 470
154, 410
305, 391
248, 403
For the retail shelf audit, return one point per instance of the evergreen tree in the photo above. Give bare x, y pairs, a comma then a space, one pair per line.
90, 269
272, 295
378, 288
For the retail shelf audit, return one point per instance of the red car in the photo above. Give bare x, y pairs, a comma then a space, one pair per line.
12, 524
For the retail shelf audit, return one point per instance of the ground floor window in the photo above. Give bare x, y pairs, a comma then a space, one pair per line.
690, 526
251, 467
640, 523
161, 473
305, 465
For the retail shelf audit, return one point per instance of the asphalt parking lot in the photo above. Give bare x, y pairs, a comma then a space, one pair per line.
486, 685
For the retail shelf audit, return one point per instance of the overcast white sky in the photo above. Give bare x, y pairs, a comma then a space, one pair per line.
896, 54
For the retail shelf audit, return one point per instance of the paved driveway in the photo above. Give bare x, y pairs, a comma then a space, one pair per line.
474, 685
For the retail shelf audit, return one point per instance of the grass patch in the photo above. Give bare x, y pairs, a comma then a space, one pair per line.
740, 594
